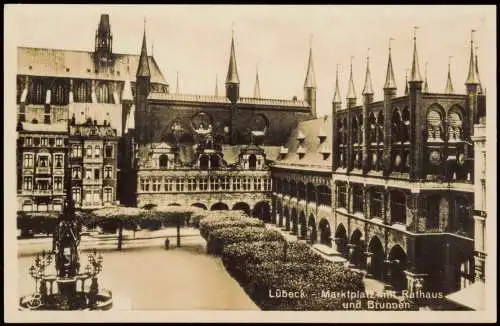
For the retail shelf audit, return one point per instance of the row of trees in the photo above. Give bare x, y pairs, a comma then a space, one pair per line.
116, 218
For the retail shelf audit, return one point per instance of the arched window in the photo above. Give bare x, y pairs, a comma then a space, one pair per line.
380, 125
433, 203
406, 125
354, 134
37, 92
103, 94
455, 126
376, 202
204, 162
434, 122
252, 162
397, 127
398, 207
214, 161
59, 95
163, 161
357, 197
372, 125
341, 195
82, 93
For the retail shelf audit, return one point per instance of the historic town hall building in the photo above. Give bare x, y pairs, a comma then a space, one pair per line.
389, 184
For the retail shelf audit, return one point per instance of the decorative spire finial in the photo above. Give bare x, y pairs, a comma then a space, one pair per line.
177, 83
232, 71
256, 90
406, 81
415, 69
390, 82
472, 77
449, 85
310, 81
336, 95
368, 89
351, 94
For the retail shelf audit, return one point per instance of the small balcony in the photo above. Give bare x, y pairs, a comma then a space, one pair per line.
43, 170
42, 192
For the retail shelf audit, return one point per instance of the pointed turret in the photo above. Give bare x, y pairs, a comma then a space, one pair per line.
310, 83
406, 83
104, 27
368, 89
256, 89
177, 83
415, 67
216, 85
448, 89
337, 101
390, 82
351, 93
480, 88
426, 84
472, 76
232, 70
232, 79
143, 67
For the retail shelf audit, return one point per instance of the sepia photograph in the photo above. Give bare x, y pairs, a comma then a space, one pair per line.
241, 163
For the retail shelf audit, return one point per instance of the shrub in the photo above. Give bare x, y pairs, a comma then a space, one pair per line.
310, 279
207, 226
225, 236
237, 256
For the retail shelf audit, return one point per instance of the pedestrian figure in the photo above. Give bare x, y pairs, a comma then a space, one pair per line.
167, 243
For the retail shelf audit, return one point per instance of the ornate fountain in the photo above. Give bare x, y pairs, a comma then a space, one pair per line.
59, 283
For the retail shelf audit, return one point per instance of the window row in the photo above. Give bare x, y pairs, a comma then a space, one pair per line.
58, 94
43, 184
93, 196
43, 160
43, 141
372, 203
91, 151
160, 184
92, 173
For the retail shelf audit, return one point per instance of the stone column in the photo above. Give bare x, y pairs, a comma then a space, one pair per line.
350, 207
93, 94
388, 265
71, 98
386, 207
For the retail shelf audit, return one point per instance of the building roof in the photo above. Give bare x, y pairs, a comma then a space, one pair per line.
313, 149
224, 100
79, 64
45, 128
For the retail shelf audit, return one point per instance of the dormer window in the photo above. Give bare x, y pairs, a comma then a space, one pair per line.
321, 135
325, 151
301, 136
301, 151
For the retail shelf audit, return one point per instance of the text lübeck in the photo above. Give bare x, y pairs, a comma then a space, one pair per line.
278, 293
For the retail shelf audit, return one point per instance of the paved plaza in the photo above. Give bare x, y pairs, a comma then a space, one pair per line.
156, 279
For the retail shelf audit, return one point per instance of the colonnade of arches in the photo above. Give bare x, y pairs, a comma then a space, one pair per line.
261, 210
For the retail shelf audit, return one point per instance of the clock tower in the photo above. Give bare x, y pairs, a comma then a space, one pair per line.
103, 43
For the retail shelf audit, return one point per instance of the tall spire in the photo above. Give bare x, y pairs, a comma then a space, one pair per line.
336, 95
390, 82
177, 83
310, 81
351, 94
406, 82
448, 89
472, 76
415, 67
143, 67
216, 85
367, 89
426, 84
104, 26
256, 89
232, 71
480, 88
